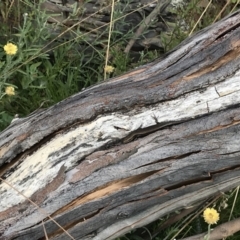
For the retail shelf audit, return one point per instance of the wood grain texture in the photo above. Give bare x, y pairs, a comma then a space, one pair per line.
125, 152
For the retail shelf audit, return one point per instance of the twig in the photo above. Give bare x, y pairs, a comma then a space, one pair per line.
221, 231
219, 14
109, 38
174, 219
45, 232
145, 24
235, 6
39, 209
195, 216
234, 203
200, 17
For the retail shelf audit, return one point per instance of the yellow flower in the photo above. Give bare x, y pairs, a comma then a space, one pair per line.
10, 91
10, 49
211, 216
109, 69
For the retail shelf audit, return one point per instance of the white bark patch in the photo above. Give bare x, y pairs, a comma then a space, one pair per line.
40, 168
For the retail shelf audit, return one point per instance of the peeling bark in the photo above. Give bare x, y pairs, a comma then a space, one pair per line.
125, 152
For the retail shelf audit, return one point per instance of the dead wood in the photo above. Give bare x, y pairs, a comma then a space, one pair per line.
222, 231
140, 23
123, 153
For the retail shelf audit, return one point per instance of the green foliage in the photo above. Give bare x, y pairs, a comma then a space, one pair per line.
39, 74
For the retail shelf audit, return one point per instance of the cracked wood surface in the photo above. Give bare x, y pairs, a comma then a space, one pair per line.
125, 152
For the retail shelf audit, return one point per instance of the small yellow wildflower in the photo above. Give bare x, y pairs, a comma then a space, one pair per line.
10, 49
10, 91
211, 216
109, 69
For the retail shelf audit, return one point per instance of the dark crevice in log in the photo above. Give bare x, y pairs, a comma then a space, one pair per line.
174, 158
186, 155
188, 182
227, 32
234, 167
142, 132
106, 189
227, 154
74, 223
120, 128
217, 91
234, 106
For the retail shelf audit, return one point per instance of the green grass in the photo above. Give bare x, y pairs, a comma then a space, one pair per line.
48, 68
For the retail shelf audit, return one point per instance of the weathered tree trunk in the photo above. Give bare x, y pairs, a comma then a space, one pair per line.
123, 153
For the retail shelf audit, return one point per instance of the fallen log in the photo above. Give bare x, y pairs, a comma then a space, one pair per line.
125, 152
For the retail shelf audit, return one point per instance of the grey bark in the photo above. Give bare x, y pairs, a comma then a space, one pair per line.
129, 150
